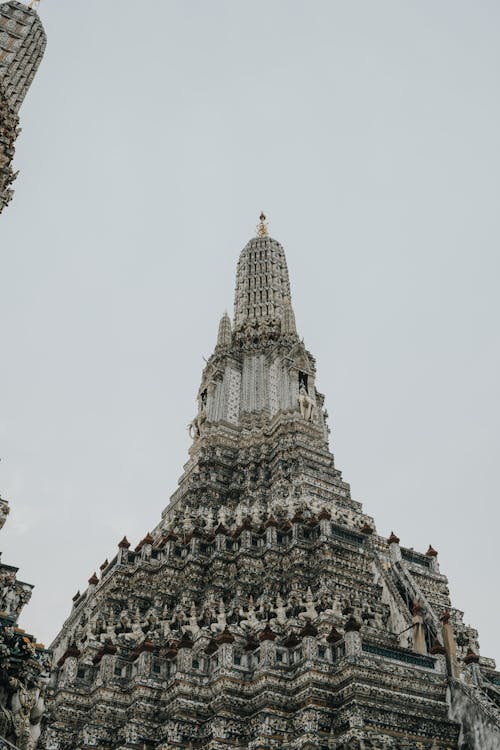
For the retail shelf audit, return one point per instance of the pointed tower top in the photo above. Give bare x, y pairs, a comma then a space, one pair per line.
261, 281
262, 225
224, 335
23, 45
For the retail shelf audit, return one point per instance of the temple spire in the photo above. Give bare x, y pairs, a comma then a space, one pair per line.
262, 225
261, 281
224, 335
22, 43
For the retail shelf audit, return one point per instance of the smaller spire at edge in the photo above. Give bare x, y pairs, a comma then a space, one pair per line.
224, 334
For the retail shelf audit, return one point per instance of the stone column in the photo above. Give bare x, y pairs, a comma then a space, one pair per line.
324, 523
184, 655
297, 522
144, 663
194, 542
123, 548
441, 663
271, 535
419, 644
93, 581
472, 667
267, 647
106, 668
439, 652
226, 655
310, 647
450, 645
431, 554
246, 538
220, 538
67, 671
170, 540
309, 636
352, 637
394, 548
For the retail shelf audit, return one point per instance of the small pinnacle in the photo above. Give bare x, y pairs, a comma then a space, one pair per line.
262, 225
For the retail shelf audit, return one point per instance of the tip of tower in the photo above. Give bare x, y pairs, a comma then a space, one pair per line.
262, 230
261, 280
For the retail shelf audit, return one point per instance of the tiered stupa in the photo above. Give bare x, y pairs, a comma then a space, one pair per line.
22, 44
264, 611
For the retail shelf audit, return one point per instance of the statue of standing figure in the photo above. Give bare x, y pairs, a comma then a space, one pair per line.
196, 425
27, 709
306, 404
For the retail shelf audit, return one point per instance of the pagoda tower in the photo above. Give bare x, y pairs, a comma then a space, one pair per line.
22, 44
264, 610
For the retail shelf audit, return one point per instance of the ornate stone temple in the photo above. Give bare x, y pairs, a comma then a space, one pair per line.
22, 44
264, 610
24, 663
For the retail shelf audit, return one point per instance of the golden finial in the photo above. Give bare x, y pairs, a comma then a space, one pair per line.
262, 225
33, 4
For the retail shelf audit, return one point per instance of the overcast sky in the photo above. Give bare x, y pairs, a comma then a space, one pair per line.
153, 136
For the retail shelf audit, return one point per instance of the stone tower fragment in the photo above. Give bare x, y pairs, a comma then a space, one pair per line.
264, 611
22, 44
24, 663
224, 335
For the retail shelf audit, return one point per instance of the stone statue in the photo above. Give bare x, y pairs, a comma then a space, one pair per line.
4, 511
306, 404
167, 633
280, 610
308, 604
251, 619
27, 709
193, 626
110, 631
137, 632
222, 516
221, 622
419, 644
195, 427
151, 621
98, 625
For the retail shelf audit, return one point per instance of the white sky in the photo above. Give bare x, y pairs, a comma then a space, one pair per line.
153, 135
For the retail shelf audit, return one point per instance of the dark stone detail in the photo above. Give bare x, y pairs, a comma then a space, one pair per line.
415, 557
225, 637
399, 655
352, 625
308, 630
267, 634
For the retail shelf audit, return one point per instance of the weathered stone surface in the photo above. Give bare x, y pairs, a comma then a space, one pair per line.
24, 664
22, 44
264, 610
477, 715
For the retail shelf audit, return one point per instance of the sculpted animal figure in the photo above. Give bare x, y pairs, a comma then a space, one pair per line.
195, 427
